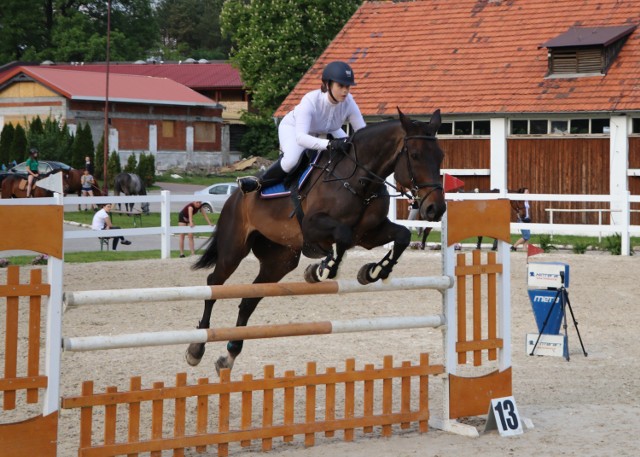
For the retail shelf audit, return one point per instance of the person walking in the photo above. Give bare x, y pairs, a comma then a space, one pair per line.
321, 112
185, 217
87, 182
526, 234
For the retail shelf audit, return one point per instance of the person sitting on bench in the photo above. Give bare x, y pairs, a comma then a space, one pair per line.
102, 221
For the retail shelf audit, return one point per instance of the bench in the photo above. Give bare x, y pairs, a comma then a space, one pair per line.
137, 216
104, 243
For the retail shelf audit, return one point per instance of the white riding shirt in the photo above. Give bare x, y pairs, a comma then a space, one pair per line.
313, 117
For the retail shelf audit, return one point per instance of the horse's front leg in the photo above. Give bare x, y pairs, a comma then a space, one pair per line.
385, 233
321, 229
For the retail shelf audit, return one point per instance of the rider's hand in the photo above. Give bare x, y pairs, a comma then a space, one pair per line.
339, 145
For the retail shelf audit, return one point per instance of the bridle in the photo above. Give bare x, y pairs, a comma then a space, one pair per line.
415, 187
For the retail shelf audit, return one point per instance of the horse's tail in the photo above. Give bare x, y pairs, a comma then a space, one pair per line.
210, 256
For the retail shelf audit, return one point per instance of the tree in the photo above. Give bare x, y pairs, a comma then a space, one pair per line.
113, 167
82, 146
23, 31
52, 139
99, 162
261, 137
6, 138
147, 169
276, 41
191, 28
132, 164
18, 151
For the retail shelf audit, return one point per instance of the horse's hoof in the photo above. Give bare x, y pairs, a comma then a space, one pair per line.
223, 362
310, 274
194, 353
363, 275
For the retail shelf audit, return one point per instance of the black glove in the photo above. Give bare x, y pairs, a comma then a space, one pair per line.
339, 145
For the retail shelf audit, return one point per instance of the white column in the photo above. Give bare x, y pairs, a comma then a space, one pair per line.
165, 223
113, 140
225, 143
618, 164
153, 139
499, 131
189, 139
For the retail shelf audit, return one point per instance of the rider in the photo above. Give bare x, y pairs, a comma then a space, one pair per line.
32, 169
320, 112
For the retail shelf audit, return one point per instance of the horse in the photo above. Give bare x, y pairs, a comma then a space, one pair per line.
343, 203
15, 186
516, 205
130, 184
74, 178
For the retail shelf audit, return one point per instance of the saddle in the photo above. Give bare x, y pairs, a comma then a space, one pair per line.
300, 174
22, 185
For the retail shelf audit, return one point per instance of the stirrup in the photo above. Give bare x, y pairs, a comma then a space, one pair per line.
249, 184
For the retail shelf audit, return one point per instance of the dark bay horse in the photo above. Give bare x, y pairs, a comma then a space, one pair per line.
14, 186
344, 204
74, 178
130, 184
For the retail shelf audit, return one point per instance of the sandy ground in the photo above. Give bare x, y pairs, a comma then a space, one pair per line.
586, 407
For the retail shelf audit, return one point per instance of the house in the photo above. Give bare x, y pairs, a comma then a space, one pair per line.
543, 94
181, 127
217, 80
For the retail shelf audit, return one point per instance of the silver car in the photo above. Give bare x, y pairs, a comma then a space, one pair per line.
214, 196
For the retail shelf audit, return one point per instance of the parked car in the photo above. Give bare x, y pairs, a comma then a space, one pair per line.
44, 167
214, 196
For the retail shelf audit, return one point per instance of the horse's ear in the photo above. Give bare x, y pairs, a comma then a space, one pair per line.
435, 122
404, 120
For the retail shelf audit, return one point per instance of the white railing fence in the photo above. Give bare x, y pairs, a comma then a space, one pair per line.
619, 208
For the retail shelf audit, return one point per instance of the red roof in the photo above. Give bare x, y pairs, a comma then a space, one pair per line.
81, 85
473, 56
194, 75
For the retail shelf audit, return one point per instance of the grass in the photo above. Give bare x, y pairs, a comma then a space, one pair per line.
204, 180
124, 221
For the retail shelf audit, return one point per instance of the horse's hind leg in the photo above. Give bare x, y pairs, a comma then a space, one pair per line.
275, 262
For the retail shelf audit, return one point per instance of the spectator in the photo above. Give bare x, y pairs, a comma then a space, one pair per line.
414, 211
186, 218
87, 187
102, 221
526, 234
89, 165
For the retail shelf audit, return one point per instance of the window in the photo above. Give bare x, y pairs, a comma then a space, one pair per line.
560, 126
204, 132
168, 129
586, 50
465, 128
635, 125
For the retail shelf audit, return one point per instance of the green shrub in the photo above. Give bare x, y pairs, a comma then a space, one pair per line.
580, 247
613, 244
545, 243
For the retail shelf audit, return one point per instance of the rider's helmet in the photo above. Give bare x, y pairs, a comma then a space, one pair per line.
339, 72
33, 151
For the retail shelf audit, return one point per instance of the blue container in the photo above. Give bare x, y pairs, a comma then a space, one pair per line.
541, 302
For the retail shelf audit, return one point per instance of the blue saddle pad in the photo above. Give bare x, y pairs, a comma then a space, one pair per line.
278, 190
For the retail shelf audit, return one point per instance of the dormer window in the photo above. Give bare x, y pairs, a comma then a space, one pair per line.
585, 51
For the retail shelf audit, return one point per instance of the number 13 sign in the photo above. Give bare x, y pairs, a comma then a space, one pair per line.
503, 415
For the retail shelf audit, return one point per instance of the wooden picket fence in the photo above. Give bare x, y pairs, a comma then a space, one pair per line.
227, 427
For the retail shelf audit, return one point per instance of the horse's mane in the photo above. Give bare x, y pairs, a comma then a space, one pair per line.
373, 129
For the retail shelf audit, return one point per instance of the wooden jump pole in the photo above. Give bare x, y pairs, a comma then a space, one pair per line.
132, 340
104, 297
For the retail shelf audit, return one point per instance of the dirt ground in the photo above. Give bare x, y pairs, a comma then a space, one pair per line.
585, 407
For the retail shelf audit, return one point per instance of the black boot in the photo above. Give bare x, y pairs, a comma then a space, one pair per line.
273, 175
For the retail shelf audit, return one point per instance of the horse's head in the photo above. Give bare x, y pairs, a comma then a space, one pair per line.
418, 165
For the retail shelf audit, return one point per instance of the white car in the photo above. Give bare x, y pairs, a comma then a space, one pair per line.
214, 196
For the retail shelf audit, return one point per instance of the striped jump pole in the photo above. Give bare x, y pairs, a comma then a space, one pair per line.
131, 340
105, 297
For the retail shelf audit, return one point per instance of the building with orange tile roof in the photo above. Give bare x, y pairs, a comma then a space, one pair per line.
543, 94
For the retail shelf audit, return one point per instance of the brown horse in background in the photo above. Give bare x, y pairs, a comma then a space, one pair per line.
74, 178
344, 204
11, 186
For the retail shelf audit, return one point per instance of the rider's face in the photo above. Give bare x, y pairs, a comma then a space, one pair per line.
339, 91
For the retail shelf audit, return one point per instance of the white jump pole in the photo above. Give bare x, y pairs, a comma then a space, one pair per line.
132, 340
104, 297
